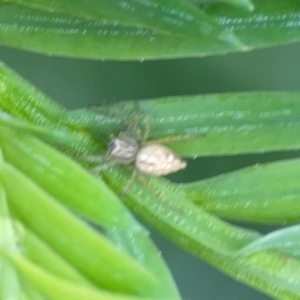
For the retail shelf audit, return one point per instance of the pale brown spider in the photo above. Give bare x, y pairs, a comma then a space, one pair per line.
148, 157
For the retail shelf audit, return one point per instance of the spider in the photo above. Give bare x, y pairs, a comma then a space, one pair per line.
148, 157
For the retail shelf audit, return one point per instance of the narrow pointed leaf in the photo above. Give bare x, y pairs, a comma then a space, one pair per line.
75, 34
52, 170
104, 207
59, 289
286, 240
99, 260
38, 252
270, 23
55, 135
252, 122
20, 99
165, 207
176, 16
29, 291
266, 193
9, 283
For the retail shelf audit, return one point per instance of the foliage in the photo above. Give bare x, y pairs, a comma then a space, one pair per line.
65, 233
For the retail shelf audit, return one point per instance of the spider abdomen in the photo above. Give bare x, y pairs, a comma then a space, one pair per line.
158, 160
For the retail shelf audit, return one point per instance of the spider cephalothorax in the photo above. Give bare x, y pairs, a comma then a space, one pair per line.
150, 158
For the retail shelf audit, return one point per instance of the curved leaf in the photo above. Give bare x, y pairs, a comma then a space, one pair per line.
21, 99
103, 30
115, 270
270, 23
286, 240
9, 283
56, 135
166, 208
33, 156
157, 198
252, 122
268, 193
38, 252
176, 16
59, 289
66, 34
48, 168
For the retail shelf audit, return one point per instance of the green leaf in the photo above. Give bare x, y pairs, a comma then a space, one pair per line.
158, 199
59, 289
267, 193
166, 208
271, 23
56, 135
54, 171
286, 240
172, 29
9, 283
22, 100
38, 252
174, 16
99, 260
252, 122
103, 206
105, 31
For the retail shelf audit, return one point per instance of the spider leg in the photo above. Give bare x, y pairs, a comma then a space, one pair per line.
129, 183
154, 191
135, 112
147, 128
103, 162
103, 167
94, 158
176, 138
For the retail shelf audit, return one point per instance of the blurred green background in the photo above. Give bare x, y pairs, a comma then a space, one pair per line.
76, 82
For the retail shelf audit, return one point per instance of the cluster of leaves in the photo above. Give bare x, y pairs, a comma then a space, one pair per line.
48, 252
